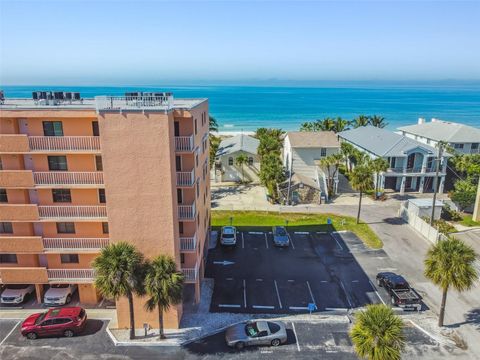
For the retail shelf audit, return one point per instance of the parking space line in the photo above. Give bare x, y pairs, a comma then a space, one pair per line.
376, 292
10, 333
355, 281
228, 305
324, 281
244, 293
278, 294
291, 241
266, 240
302, 232
346, 294
296, 336
258, 279
229, 279
298, 308
263, 307
255, 232
322, 232
243, 242
311, 294
334, 235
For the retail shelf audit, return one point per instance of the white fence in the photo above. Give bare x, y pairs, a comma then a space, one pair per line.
419, 225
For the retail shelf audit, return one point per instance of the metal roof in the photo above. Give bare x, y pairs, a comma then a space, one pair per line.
440, 130
313, 139
240, 142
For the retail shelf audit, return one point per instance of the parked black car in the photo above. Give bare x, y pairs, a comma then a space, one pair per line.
401, 294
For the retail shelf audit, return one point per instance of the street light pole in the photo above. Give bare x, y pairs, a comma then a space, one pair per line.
436, 183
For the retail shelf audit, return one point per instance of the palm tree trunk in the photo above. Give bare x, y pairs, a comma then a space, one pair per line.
160, 322
442, 307
132, 316
359, 207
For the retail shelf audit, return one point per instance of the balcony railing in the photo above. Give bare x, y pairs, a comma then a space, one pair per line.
64, 143
184, 143
116, 103
74, 244
68, 178
71, 275
188, 244
417, 169
190, 274
185, 178
186, 212
79, 212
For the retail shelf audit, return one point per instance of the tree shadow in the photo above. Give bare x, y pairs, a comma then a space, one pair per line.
472, 317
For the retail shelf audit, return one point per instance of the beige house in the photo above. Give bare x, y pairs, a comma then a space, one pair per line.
227, 168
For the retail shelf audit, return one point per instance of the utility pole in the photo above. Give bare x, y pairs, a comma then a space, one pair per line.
436, 182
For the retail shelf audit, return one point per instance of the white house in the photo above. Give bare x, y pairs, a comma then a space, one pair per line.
463, 138
229, 150
302, 152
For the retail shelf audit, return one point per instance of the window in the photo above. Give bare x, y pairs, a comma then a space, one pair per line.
8, 258
61, 195
66, 228
180, 227
57, 163
61, 321
230, 161
105, 227
179, 196
176, 128
96, 131
323, 152
6, 228
52, 128
3, 195
98, 163
250, 161
473, 147
198, 187
178, 163
101, 196
196, 160
458, 146
196, 130
182, 258
69, 258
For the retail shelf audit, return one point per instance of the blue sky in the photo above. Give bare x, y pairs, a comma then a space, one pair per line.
150, 42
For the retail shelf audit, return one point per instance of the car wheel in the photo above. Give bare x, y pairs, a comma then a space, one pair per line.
32, 336
275, 342
239, 345
68, 333
69, 298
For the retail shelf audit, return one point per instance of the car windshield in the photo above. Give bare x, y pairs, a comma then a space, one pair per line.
273, 327
251, 330
281, 232
40, 318
228, 236
59, 286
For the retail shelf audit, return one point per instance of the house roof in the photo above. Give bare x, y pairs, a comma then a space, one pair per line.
240, 142
382, 142
313, 139
440, 130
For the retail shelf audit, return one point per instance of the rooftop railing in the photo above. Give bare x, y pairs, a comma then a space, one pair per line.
118, 103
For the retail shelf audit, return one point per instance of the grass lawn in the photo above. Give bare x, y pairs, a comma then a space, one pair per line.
467, 221
313, 222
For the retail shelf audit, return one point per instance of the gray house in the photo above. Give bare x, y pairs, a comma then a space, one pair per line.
412, 165
228, 151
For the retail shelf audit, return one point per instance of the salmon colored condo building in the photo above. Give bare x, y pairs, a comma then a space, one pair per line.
78, 174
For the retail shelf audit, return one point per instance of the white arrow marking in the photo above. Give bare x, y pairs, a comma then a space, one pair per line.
225, 262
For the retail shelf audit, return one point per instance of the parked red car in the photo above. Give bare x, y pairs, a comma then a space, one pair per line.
67, 321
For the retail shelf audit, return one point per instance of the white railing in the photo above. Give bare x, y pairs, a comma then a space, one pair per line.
83, 212
68, 178
74, 243
188, 243
134, 102
185, 178
190, 274
186, 212
64, 143
184, 143
71, 275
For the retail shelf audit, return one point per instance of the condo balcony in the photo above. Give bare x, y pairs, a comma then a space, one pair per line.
76, 144
71, 275
151, 102
185, 178
191, 274
186, 212
69, 179
23, 275
74, 244
20, 179
78, 213
13, 244
19, 212
14, 144
188, 244
184, 143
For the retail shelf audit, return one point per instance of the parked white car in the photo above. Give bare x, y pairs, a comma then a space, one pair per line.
229, 236
15, 294
59, 294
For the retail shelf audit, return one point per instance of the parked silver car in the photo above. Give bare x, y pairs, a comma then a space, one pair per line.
229, 236
262, 332
280, 236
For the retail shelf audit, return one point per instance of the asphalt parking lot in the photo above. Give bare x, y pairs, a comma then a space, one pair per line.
317, 268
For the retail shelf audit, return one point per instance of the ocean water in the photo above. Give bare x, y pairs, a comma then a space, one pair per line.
248, 107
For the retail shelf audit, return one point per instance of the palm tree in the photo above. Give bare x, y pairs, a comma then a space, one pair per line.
119, 272
378, 333
378, 166
340, 125
348, 151
360, 120
450, 263
331, 164
164, 286
241, 160
378, 121
361, 180
212, 124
